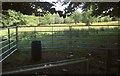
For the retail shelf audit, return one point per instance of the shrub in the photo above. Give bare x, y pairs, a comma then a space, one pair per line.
11, 17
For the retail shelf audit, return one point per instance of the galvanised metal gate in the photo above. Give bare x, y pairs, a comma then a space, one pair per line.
8, 42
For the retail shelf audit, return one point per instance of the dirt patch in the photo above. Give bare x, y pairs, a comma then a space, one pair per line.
97, 66
21, 58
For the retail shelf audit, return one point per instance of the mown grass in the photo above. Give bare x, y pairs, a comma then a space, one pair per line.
4, 31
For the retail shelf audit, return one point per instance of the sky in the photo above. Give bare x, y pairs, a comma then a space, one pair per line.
59, 7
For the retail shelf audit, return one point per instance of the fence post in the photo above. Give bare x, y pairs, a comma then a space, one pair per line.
17, 37
70, 35
35, 32
52, 36
88, 30
9, 37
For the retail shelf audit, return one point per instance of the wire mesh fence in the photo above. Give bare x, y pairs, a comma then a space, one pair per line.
68, 37
102, 39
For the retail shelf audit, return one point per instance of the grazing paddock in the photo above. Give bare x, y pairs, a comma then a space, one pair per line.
69, 42
85, 37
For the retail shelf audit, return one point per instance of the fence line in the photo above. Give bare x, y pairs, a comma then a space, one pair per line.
70, 40
70, 31
70, 37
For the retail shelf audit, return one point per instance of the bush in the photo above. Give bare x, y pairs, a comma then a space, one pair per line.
11, 17
107, 18
68, 20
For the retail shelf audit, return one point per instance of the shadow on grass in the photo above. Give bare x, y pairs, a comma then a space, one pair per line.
69, 39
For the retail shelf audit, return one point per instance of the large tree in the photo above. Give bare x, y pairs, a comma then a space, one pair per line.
28, 7
105, 8
77, 17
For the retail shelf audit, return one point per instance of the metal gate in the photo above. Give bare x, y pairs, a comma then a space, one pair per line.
8, 42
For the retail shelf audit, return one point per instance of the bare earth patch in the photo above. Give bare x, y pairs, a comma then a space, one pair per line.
96, 66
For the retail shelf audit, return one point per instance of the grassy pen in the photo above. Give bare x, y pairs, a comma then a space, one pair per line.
81, 36
60, 41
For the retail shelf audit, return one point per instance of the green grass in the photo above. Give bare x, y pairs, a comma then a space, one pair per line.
79, 35
2, 32
106, 23
79, 39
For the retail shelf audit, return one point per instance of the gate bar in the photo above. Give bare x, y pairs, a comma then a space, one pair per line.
46, 65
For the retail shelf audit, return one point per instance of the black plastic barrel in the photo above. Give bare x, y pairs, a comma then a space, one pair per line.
36, 50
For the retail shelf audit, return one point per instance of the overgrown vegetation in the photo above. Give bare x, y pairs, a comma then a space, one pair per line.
13, 18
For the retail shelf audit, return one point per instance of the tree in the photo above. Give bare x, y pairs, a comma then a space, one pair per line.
107, 18
103, 8
50, 18
76, 16
58, 19
68, 20
110, 8
87, 16
28, 7
11, 17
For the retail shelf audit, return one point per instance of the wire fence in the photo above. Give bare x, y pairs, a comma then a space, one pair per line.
67, 37
78, 37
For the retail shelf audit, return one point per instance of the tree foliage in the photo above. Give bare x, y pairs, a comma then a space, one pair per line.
68, 20
109, 8
77, 17
87, 17
103, 8
50, 19
58, 19
11, 17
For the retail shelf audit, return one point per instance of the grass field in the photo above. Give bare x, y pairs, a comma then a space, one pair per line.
4, 32
68, 35
77, 38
